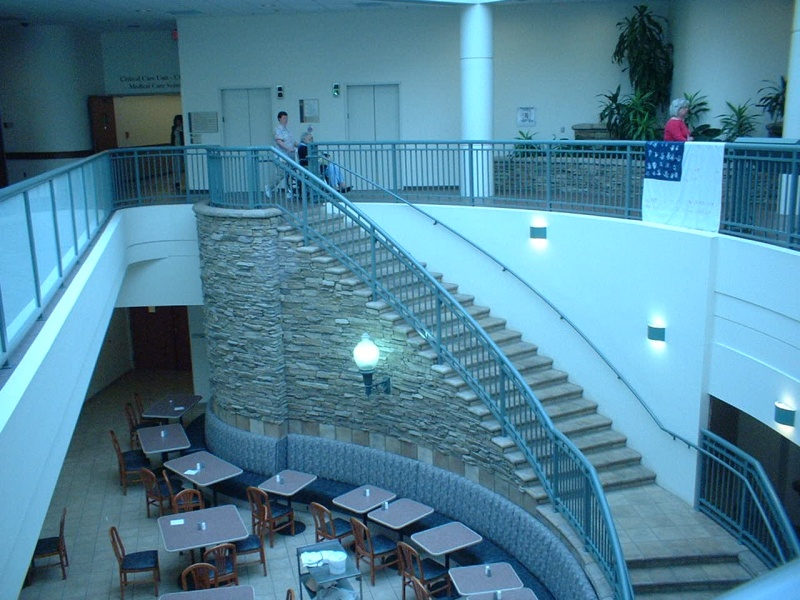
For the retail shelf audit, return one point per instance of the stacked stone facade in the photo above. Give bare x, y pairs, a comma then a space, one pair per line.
282, 319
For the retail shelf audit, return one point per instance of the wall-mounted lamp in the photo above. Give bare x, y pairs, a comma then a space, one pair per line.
280, 91
366, 355
335, 90
538, 233
784, 414
656, 333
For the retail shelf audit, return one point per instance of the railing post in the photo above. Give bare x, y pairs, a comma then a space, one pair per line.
628, 180
548, 157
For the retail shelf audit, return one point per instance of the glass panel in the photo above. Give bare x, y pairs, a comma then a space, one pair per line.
16, 268
79, 206
44, 237
66, 237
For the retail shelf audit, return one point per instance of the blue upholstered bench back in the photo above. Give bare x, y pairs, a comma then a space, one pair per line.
340, 465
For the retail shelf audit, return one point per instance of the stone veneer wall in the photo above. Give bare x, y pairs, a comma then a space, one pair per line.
282, 320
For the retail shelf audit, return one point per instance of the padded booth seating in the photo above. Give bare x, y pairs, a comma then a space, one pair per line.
510, 534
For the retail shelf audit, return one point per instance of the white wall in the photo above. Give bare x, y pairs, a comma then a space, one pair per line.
611, 277
555, 57
141, 62
726, 49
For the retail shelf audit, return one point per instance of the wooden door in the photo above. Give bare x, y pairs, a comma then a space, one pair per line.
103, 123
160, 338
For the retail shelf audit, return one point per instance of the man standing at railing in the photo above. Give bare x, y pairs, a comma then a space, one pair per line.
286, 143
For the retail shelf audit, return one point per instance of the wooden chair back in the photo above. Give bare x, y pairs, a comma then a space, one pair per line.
199, 576
223, 557
188, 500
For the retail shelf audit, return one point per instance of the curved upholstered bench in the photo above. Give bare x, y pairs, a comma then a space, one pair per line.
510, 533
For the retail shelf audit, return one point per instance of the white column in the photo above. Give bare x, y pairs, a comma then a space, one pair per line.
477, 92
791, 115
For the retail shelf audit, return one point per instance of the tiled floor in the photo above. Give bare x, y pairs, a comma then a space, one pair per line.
89, 488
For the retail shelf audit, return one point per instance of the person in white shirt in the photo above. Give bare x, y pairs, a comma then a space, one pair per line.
283, 137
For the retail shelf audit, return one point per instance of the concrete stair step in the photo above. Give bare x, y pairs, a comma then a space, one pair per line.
575, 425
686, 578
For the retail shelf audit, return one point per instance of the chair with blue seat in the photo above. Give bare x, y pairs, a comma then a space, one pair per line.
432, 575
254, 543
53, 546
326, 526
145, 561
278, 516
156, 492
379, 551
223, 557
129, 464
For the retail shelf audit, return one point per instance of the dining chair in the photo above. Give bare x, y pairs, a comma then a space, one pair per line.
135, 562
326, 526
199, 576
432, 575
188, 500
223, 557
129, 464
290, 594
278, 516
139, 412
378, 550
135, 424
156, 492
420, 591
254, 543
257, 498
53, 546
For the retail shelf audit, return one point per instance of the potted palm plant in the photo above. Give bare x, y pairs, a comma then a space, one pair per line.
773, 102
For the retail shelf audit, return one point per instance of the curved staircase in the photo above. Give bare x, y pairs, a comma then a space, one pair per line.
672, 551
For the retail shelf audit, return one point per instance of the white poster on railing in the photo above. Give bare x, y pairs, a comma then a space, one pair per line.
683, 184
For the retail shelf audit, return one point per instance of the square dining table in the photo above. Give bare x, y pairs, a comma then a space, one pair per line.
202, 528
287, 483
163, 439
399, 514
203, 469
447, 538
480, 579
363, 499
171, 406
236, 592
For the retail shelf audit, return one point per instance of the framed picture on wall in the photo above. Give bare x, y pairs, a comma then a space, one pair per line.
309, 111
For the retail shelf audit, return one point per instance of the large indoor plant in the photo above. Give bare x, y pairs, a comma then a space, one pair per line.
738, 122
642, 46
773, 102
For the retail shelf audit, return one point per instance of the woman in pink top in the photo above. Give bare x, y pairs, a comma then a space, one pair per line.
676, 130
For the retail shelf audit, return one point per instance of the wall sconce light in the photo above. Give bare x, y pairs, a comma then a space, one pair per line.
366, 355
656, 333
784, 414
335, 90
538, 233
280, 91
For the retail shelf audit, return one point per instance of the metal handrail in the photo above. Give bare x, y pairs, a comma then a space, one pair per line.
394, 276
772, 532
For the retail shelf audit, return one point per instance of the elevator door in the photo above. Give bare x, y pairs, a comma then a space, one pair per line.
247, 117
373, 113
